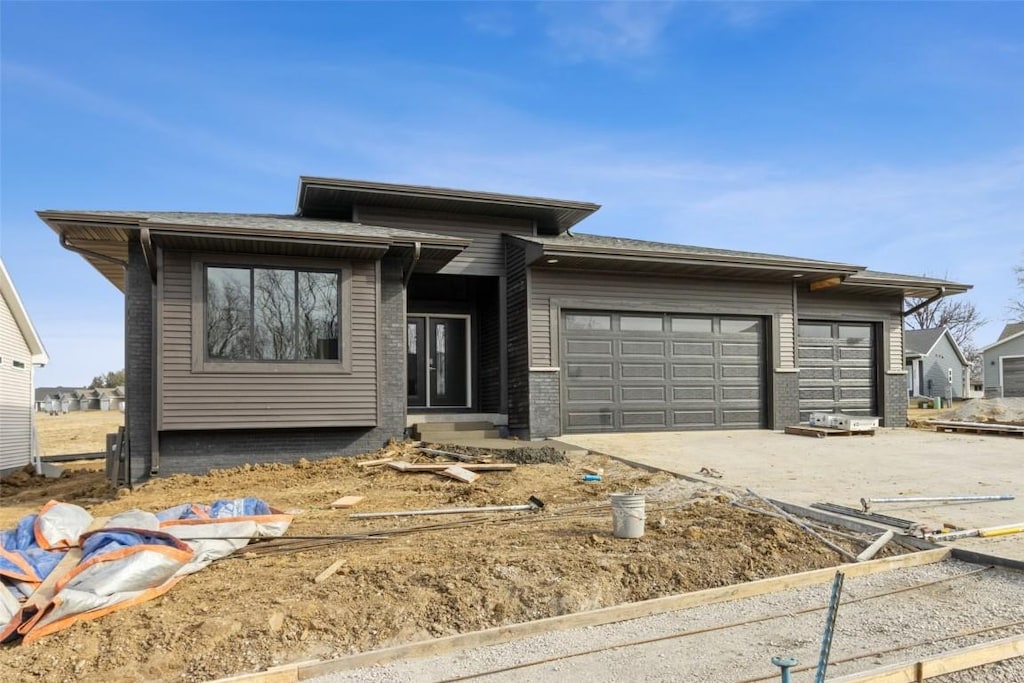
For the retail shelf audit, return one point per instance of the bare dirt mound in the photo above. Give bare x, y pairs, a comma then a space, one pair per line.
248, 613
995, 410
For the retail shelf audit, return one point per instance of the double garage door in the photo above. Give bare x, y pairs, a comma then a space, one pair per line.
624, 371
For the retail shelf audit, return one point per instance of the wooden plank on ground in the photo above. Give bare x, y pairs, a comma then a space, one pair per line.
329, 572
608, 615
822, 432
373, 463
940, 665
403, 466
284, 673
460, 474
348, 501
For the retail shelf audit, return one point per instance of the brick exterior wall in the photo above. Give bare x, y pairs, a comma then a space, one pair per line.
138, 362
545, 415
199, 451
894, 401
518, 342
785, 399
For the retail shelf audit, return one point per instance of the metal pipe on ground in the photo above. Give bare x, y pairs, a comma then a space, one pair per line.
987, 532
866, 503
534, 504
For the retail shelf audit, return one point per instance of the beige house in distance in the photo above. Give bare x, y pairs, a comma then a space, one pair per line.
20, 350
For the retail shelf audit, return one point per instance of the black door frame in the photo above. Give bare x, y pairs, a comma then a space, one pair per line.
425, 362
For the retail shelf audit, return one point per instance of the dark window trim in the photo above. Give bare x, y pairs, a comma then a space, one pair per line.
201, 364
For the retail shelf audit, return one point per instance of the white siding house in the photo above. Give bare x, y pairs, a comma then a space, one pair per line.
20, 351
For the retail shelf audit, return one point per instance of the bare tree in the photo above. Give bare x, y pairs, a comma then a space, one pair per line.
961, 316
1016, 306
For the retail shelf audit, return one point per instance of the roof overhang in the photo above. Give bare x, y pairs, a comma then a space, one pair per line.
871, 283
336, 197
21, 318
568, 256
103, 240
1002, 341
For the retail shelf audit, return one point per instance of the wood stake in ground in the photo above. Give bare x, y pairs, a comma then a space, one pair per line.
329, 572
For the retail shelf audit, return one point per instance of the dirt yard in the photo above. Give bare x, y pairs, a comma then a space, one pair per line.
82, 431
247, 613
989, 410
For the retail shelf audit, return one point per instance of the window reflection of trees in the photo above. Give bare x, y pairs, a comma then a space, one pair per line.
271, 314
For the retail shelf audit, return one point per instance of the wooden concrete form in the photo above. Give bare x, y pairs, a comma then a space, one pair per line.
607, 615
977, 428
947, 663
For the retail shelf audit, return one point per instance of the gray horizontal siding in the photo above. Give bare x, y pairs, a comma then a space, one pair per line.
991, 358
15, 393
552, 290
486, 254
210, 400
826, 305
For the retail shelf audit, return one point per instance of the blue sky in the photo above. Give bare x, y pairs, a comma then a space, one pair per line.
884, 134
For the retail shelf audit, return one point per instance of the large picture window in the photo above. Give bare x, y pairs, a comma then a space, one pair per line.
272, 314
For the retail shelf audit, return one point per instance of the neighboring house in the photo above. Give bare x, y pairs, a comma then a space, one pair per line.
378, 306
63, 400
935, 364
55, 399
1004, 364
20, 351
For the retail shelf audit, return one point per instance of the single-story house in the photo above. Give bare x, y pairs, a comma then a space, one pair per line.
20, 351
935, 364
1004, 363
376, 307
63, 400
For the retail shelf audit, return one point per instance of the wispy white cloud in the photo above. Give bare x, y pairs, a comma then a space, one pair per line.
493, 20
747, 14
206, 145
607, 31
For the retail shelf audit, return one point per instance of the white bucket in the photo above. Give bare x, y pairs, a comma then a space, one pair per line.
628, 515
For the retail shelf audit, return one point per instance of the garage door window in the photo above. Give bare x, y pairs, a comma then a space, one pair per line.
740, 326
639, 323
692, 325
584, 321
815, 331
855, 332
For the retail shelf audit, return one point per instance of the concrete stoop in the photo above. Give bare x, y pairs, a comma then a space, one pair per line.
442, 432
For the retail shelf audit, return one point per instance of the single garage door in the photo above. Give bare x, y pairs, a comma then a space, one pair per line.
1013, 377
837, 368
635, 371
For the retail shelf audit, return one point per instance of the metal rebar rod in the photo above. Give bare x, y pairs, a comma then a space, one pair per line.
842, 551
868, 502
442, 511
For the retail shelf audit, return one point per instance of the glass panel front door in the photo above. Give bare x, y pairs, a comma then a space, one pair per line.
437, 350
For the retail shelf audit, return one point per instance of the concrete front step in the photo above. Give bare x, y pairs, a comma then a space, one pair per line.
453, 426
438, 436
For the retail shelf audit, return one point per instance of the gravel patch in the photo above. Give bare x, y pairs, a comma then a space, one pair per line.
971, 600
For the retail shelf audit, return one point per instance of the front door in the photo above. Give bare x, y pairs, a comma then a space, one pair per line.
438, 361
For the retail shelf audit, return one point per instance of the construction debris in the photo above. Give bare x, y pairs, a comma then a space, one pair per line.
869, 516
533, 505
866, 503
986, 532
403, 466
348, 501
873, 549
329, 572
459, 474
710, 472
461, 457
373, 463
790, 518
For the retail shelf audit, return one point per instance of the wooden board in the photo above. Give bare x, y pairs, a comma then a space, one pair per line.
460, 474
977, 428
822, 432
372, 463
403, 466
348, 501
950, 662
329, 572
